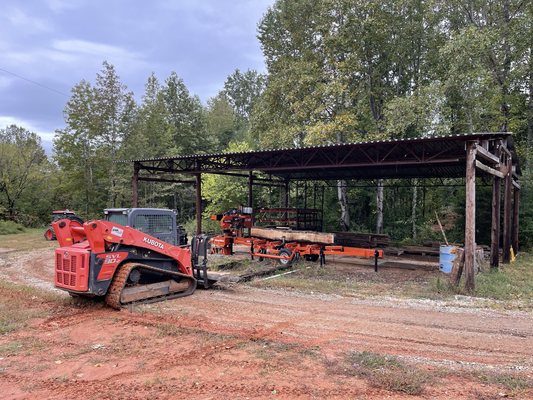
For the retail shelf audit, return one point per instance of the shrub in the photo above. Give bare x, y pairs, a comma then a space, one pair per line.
10, 227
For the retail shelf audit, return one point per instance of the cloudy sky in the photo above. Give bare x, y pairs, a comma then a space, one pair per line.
48, 46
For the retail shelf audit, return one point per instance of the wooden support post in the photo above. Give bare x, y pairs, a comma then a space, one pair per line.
135, 185
470, 217
250, 189
198, 204
495, 230
516, 209
507, 199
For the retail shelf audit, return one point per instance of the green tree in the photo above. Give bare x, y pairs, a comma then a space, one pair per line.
242, 90
152, 132
97, 119
115, 111
75, 150
23, 172
187, 117
221, 121
332, 66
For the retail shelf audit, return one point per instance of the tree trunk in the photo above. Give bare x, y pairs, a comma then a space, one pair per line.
344, 220
379, 206
343, 203
413, 207
529, 115
504, 85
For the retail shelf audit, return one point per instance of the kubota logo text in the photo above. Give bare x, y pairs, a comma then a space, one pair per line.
153, 243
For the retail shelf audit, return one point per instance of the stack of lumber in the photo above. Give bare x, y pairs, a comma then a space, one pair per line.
293, 236
355, 239
413, 250
350, 239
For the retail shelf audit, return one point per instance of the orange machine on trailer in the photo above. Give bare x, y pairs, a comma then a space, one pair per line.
235, 221
102, 258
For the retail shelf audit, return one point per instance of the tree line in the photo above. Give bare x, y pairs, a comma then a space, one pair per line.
337, 71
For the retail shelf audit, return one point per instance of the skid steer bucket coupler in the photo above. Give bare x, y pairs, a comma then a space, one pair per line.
199, 249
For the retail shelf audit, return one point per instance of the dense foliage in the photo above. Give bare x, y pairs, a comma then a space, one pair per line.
337, 71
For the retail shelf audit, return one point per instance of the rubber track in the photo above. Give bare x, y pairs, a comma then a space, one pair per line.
112, 298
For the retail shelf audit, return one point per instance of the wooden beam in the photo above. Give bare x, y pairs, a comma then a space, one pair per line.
516, 206
291, 236
516, 185
470, 217
506, 150
489, 170
507, 199
487, 156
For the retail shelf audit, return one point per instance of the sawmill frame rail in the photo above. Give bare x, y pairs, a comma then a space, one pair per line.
485, 154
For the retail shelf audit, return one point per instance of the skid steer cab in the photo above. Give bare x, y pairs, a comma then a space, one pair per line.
158, 222
126, 265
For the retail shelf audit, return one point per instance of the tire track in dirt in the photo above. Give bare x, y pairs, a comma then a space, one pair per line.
208, 390
493, 338
429, 330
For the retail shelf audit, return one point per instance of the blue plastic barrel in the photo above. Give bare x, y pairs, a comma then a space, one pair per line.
446, 257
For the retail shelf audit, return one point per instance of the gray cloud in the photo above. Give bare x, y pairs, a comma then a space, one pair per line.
57, 43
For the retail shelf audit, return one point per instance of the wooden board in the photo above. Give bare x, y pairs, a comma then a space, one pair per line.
457, 266
294, 236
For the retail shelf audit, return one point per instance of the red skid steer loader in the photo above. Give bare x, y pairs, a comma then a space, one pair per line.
103, 258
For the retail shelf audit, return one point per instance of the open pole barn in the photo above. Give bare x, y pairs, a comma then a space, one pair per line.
487, 155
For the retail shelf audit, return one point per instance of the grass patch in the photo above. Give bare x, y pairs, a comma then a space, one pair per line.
511, 282
10, 227
313, 279
164, 330
10, 349
170, 330
234, 266
30, 239
383, 372
513, 382
19, 304
24, 346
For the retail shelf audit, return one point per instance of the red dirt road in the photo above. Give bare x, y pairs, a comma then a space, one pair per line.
245, 342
